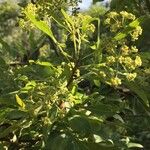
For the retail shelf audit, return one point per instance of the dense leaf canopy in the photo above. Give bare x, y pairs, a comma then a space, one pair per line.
74, 79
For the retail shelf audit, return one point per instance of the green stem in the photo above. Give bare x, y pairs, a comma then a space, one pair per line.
72, 74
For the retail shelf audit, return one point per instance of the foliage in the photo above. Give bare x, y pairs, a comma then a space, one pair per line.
86, 94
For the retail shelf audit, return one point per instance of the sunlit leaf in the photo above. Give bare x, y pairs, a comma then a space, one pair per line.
67, 17
43, 26
131, 145
129, 28
20, 102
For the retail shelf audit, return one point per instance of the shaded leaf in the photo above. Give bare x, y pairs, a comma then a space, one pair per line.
80, 124
136, 89
103, 109
16, 114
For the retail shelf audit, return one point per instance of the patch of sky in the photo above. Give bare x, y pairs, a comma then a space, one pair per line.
85, 4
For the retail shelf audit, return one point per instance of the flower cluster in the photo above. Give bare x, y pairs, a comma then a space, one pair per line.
131, 76
31, 8
83, 25
117, 21
135, 34
120, 57
127, 15
115, 81
25, 23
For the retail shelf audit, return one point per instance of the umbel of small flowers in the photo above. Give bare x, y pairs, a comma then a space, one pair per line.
120, 59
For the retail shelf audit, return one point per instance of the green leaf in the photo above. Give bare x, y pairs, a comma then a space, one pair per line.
53, 112
74, 89
2, 147
93, 47
6, 100
97, 83
103, 109
101, 146
129, 28
6, 47
16, 114
80, 124
43, 26
137, 22
138, 90
20, 102
131, 145
64, 142
44, 63
87, 22
67, 17
2, 62
145, 55
9, 130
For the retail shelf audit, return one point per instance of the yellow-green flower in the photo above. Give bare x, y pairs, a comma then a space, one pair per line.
102, 74
112, 14
134, 49
110, 48
124, 14
121, 59
129, 63
22, 23
135, 34
131, 16
131, 76
125, 50
138, 61
115, 81
107, 21
110, 59
115, 27
127, 15
147, 71
31, 8
128, 60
